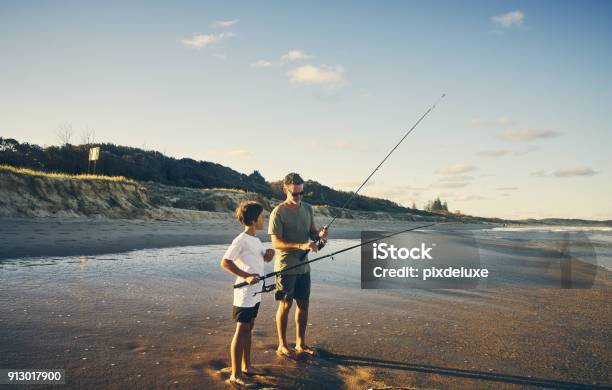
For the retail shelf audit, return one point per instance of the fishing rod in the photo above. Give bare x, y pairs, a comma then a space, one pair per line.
267, 288
321, 243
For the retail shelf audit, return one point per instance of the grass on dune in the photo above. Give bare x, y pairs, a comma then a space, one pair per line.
56, 175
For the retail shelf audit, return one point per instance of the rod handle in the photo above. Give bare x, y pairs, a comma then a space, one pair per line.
241, 285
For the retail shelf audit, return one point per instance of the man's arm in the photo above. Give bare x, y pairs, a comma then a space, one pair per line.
316, 233
278, 243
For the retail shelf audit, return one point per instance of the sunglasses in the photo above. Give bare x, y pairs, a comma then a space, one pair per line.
301, 193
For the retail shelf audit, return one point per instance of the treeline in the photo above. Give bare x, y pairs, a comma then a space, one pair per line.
134, 163
436, 206
319, 194
148, 165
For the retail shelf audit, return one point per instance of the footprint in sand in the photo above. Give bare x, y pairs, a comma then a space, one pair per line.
290, 374
216, 368
136, 347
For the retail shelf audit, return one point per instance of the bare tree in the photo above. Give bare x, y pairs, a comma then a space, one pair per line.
88, 136
65, 133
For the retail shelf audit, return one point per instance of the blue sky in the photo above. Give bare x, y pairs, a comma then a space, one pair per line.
327, 89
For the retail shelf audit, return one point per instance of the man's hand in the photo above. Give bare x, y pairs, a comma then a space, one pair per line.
252, 279
309, 246
269, 255
323, 233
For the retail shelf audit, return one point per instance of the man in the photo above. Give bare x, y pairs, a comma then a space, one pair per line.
291, 226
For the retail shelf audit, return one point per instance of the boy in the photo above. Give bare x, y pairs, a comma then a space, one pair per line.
245, 258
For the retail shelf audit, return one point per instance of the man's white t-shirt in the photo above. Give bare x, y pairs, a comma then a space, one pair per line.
247, 252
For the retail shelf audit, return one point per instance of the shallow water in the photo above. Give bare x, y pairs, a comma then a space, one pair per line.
201, 263
597, 238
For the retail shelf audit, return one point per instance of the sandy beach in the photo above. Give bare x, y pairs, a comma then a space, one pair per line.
33, 237
161, 318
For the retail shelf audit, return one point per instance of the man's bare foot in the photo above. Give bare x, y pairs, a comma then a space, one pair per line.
254, 371
241, 383
305, 349
284, 351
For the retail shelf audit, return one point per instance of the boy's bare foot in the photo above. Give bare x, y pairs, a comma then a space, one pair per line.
305, 349
241, 383
254, 371
284, 351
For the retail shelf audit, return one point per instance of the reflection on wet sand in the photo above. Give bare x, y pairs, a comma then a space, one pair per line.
161, 318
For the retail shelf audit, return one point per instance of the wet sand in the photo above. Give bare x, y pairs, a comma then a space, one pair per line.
32, 237
161, 318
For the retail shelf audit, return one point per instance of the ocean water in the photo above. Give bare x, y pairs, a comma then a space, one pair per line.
201, 263
597, 238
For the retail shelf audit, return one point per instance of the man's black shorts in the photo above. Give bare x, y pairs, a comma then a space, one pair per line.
292, 286
245, 314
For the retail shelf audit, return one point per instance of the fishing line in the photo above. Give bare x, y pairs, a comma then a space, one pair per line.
353, 194
321, 243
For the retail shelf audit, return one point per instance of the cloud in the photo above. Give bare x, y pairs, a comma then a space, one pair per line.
220, 56
225, 23
507, 188
455, 178
322, 75
242, 153
295, 55
528, 135
456, 169
582, 171
493, 153
539, 173
499, 121
291, 56
198, 41
529, 149
571, 172
449, 184
510, 19
261, 64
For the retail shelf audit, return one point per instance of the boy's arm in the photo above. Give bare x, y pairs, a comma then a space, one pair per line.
232, 268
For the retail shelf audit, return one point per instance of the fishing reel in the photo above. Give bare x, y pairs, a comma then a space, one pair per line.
321, 242
265, 288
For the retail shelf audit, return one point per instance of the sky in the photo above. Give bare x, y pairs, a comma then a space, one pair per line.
326, 89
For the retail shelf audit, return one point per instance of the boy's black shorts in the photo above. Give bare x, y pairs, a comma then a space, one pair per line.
245, 314
292, 287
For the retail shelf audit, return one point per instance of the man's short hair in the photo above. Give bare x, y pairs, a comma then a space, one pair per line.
293, 178
248, 211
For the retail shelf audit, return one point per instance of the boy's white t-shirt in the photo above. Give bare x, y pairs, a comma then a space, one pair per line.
247, 252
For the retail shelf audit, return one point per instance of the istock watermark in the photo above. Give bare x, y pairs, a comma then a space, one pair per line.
459, 260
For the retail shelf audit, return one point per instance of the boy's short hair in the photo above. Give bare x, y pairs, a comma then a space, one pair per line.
293, 178
248, 211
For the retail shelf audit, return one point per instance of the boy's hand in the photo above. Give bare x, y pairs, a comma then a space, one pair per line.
252, 279
269, 255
